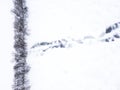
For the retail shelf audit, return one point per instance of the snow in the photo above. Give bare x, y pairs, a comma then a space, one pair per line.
92, 65
6, 45
83, 67
54, 19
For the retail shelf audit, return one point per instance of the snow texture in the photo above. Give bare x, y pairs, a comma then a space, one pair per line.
74, 44
111, 34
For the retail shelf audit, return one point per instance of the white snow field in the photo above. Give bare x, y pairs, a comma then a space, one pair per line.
6, 45
93, 65
83, 67
54, 19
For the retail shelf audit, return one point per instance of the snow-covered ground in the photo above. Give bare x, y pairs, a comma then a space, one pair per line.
54, 19
82, 67
6, 45
90, 61
87, 63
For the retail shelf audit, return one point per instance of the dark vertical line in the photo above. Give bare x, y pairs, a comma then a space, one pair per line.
21, 67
